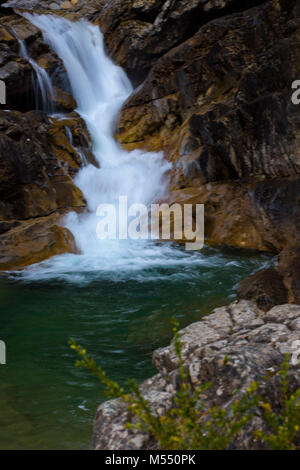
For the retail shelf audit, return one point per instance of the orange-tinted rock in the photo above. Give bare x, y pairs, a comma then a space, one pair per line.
227, 220
18, 73
289, 267
261, 214
64, 101
222, 100
219, 105
217, 100
34, 171
37, 162
266, 288
39, 155
33, 241
71, 142
137, 32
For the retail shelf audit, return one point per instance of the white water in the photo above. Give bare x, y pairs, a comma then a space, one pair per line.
100, 89
43, 83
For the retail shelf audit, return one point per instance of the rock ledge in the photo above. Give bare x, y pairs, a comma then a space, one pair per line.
254, 341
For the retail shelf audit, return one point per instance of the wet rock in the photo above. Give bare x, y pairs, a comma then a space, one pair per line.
17, 72
216, 98
33, 171
289, 267
38, 158
64, 101
219, 105
231, 348
66, 5
266, 288
74, 9
276, 285
39, 155
138, 33
34, 240
225, 104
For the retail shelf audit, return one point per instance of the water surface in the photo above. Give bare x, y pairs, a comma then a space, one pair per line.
119, 316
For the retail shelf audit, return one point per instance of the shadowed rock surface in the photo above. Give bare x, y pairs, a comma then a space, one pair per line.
219, 105
266, 288
37, 163
250, 340
39, 155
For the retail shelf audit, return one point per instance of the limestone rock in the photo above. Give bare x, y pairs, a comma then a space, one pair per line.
230, 348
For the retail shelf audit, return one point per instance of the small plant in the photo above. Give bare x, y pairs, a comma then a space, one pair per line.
189, 425
283, 425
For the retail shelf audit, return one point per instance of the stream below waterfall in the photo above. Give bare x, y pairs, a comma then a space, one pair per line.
120, 317
117, 297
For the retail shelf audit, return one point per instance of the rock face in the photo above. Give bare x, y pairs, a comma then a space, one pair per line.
138, 32
219, 105
213, 92
265, 287
39, 155
251, 340
37, 163
17, 72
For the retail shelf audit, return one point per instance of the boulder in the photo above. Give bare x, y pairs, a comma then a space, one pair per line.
230, 348
39, 155
38, 158
27, 242
265, 287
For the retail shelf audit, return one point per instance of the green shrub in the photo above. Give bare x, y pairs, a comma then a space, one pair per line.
283, 425
188, 425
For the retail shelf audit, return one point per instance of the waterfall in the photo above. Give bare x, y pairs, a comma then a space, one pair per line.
100, 88
43, 86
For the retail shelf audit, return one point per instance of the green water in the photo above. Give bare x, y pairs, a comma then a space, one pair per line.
46, 403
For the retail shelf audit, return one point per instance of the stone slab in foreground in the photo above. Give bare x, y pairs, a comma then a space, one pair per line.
254, 341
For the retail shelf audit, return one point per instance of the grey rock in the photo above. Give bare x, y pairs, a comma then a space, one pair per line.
231, 348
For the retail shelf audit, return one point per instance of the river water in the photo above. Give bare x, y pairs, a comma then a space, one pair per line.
117, 297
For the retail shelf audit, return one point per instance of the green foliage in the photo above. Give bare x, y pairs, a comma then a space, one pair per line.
189, 424
283, 425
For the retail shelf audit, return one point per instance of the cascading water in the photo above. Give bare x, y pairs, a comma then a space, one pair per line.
43, 86
118, 296
100, 89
